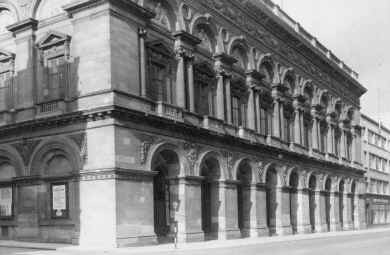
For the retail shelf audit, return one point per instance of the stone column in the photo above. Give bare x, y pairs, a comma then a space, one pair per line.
276, 118
342, 142
228, 100
258, 223
297, 126
329, 137
143, 61
191, 85
180, 78
282, 214
228, 211
188, 211
354, 150
303, 211
257, 107
281, 114
251, 116
314, 132
319, 213
334, 211
220, 97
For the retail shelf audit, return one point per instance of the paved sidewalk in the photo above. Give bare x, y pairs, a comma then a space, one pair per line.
190, 246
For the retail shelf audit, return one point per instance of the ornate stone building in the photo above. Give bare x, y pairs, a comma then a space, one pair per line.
376, 156
123, 123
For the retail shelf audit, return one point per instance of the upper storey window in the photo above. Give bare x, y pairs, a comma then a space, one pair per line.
161, 66
239, 103
6, 18
205, 90
54, 55
6, 80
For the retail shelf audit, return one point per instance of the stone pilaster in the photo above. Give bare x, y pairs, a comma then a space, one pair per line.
252, 79
303, 211
228, 211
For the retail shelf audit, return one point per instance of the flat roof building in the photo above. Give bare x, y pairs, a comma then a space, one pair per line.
130, 122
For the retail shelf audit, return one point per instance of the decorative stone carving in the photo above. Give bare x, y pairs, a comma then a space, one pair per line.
191, 156
144, 151
81, 140
26, 148
260, 169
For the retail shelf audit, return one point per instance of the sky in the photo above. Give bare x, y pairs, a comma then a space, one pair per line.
358, 32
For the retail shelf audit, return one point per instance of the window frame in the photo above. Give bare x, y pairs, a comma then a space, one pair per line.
66, 213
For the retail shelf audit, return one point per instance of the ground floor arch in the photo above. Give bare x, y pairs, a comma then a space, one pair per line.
166, 165
211, 172
341, 203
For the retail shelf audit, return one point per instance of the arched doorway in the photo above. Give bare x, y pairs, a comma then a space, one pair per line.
328, 186
271, 184
312, 202
244, 176
210, 170
293, 183
353, 193
166, 165
341, 204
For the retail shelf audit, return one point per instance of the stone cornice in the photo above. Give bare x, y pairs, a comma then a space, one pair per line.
23, 26
120, 113
259, 26
130, 6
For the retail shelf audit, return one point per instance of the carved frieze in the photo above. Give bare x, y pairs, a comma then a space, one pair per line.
26, 148
192, 153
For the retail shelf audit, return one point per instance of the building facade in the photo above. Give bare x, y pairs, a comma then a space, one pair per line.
376, 156
130, 122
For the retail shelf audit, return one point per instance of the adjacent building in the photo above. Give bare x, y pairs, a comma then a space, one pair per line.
376, 156
129, 122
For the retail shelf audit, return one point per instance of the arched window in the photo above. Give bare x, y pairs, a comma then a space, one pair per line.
239, 102
239, 53
203, 32
205, 90
161, 66
266, 71
6, 18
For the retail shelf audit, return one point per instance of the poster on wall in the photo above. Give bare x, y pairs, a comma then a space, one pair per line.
6, 202
59, 203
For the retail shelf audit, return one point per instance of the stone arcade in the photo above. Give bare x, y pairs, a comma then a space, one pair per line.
122, 121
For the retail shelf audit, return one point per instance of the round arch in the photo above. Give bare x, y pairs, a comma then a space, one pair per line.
247, 163
238, 48
266, 66
155, 151
54, 147
11, 156
216, 157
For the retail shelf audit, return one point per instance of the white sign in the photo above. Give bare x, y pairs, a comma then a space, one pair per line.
59, 198
6, 201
